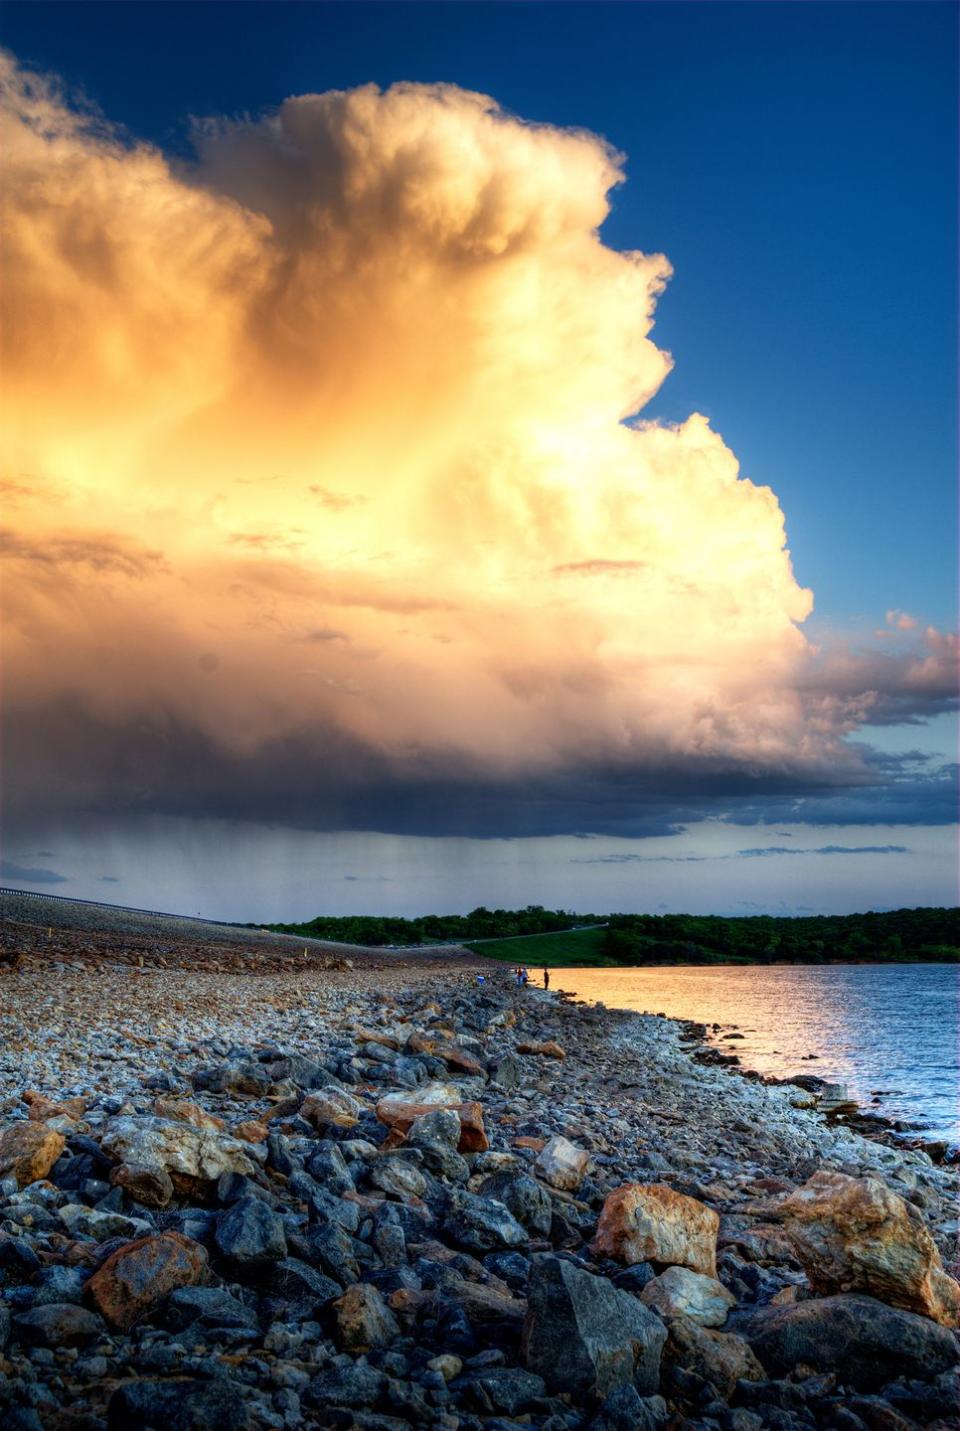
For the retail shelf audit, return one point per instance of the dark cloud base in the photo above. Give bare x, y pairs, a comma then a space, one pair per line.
67, 766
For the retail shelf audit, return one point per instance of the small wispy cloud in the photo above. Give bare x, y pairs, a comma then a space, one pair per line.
30, 874
763, 850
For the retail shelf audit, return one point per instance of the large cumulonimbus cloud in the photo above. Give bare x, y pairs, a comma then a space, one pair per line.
328, 493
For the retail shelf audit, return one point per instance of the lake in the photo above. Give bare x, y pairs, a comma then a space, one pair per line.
888, 1031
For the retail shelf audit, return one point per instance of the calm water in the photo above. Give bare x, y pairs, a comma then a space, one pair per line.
888, 1031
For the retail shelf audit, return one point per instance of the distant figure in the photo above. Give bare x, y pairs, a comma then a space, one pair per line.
546, 978
481, 979
518, 975
524, 978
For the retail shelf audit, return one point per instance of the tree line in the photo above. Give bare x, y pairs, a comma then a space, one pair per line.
899, 935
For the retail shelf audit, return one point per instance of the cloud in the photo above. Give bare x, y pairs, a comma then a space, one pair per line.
763, 850
29, 874
364, 375
902, 621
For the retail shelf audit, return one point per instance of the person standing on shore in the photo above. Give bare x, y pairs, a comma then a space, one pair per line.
546, 978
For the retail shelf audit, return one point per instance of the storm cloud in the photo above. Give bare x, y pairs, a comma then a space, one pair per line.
334, 504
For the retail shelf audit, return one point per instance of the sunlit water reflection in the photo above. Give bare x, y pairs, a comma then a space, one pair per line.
889, 1031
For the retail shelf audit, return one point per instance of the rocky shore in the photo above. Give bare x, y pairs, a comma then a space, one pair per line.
396, 1198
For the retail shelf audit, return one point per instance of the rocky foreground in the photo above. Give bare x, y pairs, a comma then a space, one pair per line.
310, 1199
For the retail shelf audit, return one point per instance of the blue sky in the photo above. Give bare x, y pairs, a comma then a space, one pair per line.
796, 163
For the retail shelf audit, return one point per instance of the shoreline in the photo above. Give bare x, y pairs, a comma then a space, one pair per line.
407, 1292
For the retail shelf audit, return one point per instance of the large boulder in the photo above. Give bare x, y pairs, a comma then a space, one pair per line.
585, 1337
28, 1151
855, 1235
562, 1164
678, 1292
649, 1222
135, 1279
194, 1158
863, 1341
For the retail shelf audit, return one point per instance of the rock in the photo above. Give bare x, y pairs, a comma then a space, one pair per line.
649, 1222
153, 1187
250, 1235
41, 1108
863, 1341
624, 1410
178, 1405
210, 1305
452, 1054
251, 1131
355, 1386
83, 1221
302, 1286
364, 1321
136, 1278
723, 1358
500, 1388
522, 1196
855, 1235
437, 1135
561, 1164
507, 1070
548, 1049
495, 1317
28, 1151
57, 1324
192, 1157
182, 1111
331, 1107
401, 1111
584, 1336
680, 1292
399, 1177
447, 1365
481, 1224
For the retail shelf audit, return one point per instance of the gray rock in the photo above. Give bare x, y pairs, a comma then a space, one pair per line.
209, 1305
865, 1342
190, 1405
500, 1388
624, 1410
298, 1283
59, 1284
524, 1197
57, 1324
250, 1235
586, 1337
353, 1385
482, 1224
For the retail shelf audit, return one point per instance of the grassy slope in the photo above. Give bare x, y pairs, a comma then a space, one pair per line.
576, 947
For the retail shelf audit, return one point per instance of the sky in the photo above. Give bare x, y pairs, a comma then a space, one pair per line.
463, 454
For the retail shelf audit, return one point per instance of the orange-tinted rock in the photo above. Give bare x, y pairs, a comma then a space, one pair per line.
136, 1278
251, 1131
855, 1235
153, 1187
364, 1321
330, 1106
548, 1049
452, 1054
400, 1115
181, 1111
524, 1141
649, 1222
41, 1107
28, 1151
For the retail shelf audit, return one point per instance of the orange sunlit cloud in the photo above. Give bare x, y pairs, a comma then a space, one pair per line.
337, 431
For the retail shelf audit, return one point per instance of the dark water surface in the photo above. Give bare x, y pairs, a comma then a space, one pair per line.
889, 1031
